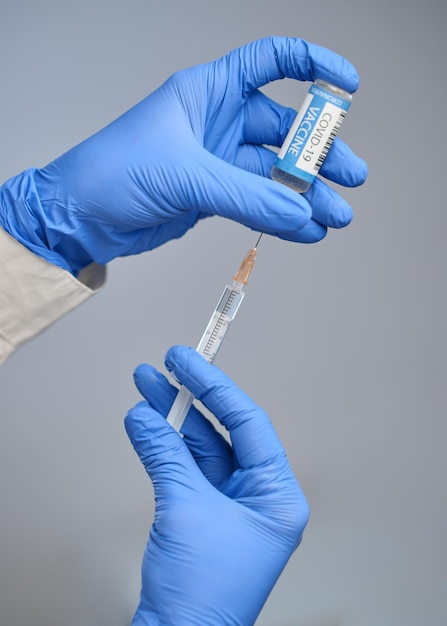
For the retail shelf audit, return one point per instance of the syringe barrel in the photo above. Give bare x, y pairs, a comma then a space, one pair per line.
220, 321
209, 344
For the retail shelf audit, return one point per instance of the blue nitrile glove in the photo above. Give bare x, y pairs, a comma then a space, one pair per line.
193, 148
227, 518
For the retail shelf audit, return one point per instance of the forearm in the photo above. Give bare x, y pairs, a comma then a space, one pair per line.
35, 293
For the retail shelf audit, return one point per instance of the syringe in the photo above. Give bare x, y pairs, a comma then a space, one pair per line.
215, 332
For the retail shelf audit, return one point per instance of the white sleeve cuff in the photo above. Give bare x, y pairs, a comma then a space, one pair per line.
35, 293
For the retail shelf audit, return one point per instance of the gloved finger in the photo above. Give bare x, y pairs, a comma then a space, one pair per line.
344, 167
233, 193
155, 388
329, 210
255, 159
163, 453
266, 121
328, 207
341, 166
210, 450
311, 233
253, 437
273, 58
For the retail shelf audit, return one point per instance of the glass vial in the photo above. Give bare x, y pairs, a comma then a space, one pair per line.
311, 135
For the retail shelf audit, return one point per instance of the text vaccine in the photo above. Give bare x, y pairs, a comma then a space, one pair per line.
311, 135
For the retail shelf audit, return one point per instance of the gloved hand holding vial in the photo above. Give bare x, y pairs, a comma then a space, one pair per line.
194, 148
311, 135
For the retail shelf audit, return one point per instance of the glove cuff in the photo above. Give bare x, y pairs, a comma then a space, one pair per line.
21, 216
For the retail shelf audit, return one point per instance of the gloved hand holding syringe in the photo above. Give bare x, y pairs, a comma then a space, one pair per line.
215, 332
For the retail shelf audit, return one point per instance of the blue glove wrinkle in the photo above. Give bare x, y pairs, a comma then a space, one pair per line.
190, 97
281, 74
244, 420
162, 452
150, 238
300, 57
306, 61
146, 617
136, 425
21, 217
331, 67
209, 448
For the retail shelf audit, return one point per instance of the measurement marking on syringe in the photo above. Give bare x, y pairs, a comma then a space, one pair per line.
228, 302
226, 312
214, 333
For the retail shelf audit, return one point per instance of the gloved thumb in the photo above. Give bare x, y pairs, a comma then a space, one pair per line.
161, 449
250, 199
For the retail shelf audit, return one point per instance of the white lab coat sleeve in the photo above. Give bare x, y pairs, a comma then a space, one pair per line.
35, 293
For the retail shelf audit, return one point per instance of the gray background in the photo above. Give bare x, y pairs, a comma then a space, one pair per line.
343, 342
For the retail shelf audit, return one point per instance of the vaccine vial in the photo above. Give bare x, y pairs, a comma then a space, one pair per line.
311, 135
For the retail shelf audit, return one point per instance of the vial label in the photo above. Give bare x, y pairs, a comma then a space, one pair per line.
312, 133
